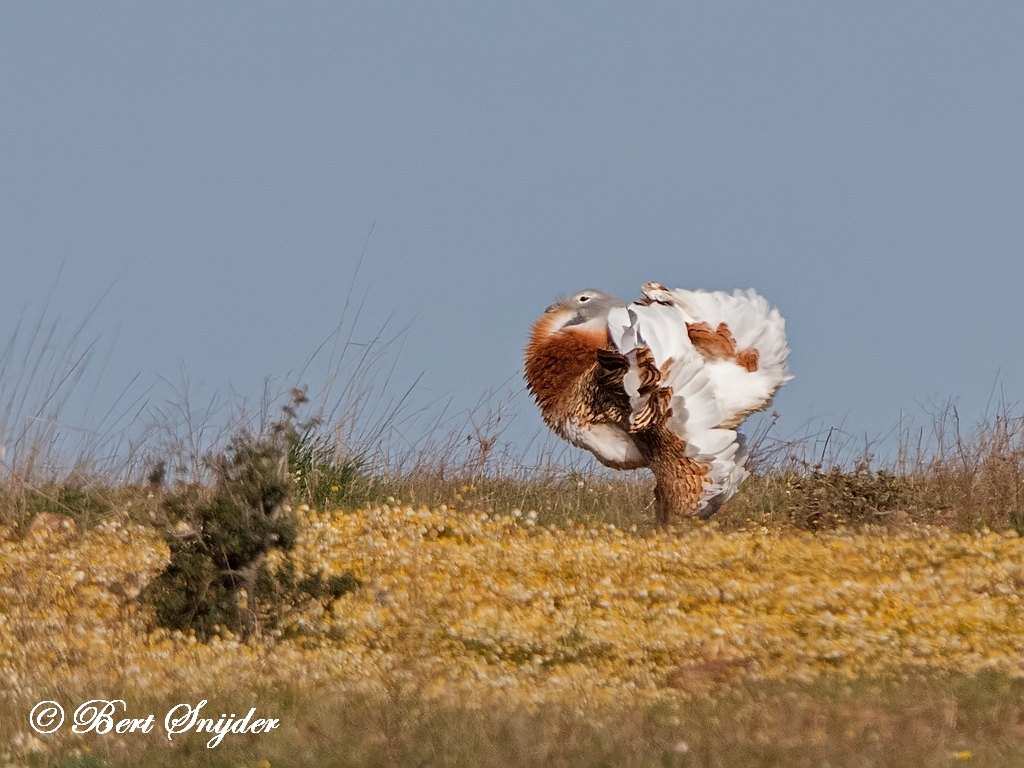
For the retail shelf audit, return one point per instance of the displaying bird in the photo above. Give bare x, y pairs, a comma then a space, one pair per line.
661, 383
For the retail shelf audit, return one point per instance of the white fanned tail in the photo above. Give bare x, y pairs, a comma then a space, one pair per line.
753, 324
708, 395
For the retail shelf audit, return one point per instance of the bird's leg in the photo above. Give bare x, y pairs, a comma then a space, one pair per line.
679, 480
661, 508
679, 483
678, 493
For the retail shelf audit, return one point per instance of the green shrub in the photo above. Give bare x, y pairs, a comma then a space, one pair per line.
827, 499
220, 537
219, 543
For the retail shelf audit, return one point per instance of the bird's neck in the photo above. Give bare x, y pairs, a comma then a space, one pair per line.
555, 361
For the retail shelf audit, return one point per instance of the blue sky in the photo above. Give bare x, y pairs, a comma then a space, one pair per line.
206, 177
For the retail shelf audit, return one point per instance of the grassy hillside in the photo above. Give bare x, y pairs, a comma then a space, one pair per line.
481, 639
457, 605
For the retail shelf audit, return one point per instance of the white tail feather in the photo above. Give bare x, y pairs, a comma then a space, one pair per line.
706, 394
752, 323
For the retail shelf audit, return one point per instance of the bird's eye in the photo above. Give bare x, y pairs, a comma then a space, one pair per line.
584, 298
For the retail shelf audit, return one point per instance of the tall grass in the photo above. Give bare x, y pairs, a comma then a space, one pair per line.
43, 368
943, 473
359, 437
47, 365
57, 455
969, 478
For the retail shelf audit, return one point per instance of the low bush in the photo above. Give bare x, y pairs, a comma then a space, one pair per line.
220, 538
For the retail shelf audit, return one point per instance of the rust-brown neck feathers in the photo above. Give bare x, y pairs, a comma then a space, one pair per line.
555, 361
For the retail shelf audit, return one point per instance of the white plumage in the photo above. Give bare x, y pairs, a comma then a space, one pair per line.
710, 394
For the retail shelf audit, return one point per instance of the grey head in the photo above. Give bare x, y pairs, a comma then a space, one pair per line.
590, 305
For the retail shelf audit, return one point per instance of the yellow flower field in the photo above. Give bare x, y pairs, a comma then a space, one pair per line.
471, 609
